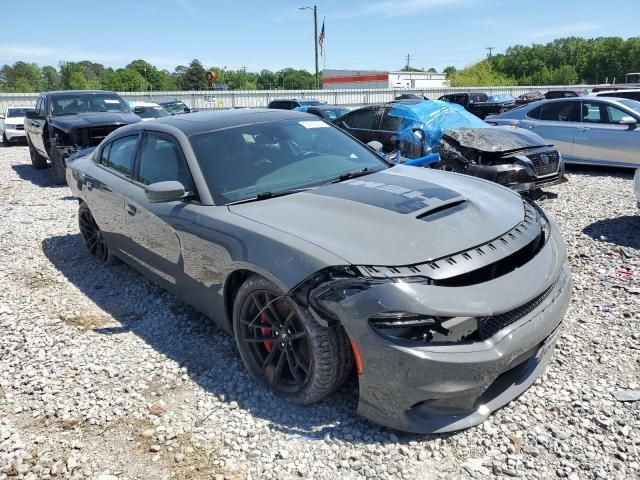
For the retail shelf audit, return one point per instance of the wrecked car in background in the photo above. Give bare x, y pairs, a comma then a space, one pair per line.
250, 215
67, 121
513, 157
481, 104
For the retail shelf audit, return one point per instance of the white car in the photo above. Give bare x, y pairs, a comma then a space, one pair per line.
147, 110
636, 186
13, 125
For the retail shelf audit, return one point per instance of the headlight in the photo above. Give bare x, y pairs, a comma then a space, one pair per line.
543, 221
10, 125
413, 329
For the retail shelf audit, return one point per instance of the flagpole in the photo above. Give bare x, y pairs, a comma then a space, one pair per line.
324, 49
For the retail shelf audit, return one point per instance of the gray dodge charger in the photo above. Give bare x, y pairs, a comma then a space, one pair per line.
443, 292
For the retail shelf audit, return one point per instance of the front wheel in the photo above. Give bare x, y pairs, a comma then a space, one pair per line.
284, 348
5, 140
37, 161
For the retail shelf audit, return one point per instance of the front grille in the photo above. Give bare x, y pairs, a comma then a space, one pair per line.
545, 163
489, 326
19, 127
97, 134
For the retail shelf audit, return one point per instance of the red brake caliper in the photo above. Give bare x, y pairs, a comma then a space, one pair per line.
266, 332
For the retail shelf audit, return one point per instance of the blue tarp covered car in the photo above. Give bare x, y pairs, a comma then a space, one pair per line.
516, 158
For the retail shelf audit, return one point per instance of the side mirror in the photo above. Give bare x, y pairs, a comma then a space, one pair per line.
375, 146
169, 191
31, 115
138, 110
186, 110
194, 110
629, 121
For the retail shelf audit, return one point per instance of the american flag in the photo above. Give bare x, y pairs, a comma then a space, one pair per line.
321, 38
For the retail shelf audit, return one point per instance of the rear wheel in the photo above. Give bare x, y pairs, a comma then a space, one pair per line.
284, 348
37, 161
59, 167
92, 236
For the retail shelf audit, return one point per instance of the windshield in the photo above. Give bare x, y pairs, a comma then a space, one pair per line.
335, 113
309, 103
153, 112
17, 112
242, 162
501, 98
175, 108
632, 104
73, 104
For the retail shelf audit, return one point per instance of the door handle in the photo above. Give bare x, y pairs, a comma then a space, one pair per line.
585, 129
131, 209
531, 127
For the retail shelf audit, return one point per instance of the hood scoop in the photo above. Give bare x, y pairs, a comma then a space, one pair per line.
430, 213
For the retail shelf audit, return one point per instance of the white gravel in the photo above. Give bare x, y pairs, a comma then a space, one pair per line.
105, 376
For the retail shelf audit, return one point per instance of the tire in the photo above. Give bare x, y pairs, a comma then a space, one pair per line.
37, 161
284, 348
5, 140
451, 165
58, 166
93, 238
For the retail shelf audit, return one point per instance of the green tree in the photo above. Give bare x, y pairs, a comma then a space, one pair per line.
51, 78
479, 75
194, 77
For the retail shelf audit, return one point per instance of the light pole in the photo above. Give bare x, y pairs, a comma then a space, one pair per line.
315, 37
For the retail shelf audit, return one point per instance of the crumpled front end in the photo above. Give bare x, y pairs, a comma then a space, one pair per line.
514, 158
445, 343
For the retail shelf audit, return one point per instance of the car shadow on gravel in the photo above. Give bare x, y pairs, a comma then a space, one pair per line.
600, 171
623, 231
40, 178
208, 354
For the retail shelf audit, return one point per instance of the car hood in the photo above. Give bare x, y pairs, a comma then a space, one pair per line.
496, 139
71, 122
14, 121
401, 216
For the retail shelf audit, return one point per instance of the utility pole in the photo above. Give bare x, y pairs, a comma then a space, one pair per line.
315, 38
490, 50
408, 62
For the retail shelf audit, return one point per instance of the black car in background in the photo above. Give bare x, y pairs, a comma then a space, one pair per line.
174, 106
328, 112
67, 121
481, 104
291, 103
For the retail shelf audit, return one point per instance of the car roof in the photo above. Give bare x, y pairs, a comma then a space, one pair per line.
603, 93
201, 122
325, 107
141, 103
77, 92
294, 100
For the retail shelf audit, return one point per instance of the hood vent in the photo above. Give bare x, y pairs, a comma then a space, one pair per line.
449, 204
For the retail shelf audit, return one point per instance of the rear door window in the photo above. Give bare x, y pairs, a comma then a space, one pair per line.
535, 113
362, 119
561, 112
161, 160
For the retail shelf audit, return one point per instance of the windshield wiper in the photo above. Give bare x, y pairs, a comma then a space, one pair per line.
267, 195
65, 113
350, 175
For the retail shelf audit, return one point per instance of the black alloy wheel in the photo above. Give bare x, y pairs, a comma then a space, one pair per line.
284, 348
276, 340
92, 236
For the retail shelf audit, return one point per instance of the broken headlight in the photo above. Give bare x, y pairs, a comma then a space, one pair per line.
543, 221
413, 329
335, 285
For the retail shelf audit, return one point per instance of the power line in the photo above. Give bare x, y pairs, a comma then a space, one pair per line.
490, 50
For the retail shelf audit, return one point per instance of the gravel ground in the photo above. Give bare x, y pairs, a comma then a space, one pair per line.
103, 375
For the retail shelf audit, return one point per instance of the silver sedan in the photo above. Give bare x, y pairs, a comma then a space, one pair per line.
592, 130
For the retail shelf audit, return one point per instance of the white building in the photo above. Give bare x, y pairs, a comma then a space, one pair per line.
357, 79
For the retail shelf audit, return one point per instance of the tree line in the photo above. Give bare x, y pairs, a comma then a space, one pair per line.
566, 61
140, 75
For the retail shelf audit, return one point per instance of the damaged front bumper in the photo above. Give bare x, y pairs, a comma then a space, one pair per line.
437, 386
524, 174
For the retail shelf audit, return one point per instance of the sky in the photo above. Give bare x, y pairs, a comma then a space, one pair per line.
257, 34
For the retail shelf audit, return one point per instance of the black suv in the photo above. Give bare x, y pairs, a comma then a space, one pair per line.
291, 103
481, 104
67, 121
